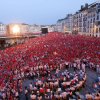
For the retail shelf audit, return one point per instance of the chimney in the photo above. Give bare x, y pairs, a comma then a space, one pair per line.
86, 5
82, 7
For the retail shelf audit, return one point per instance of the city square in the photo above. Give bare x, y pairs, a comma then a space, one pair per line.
58, 61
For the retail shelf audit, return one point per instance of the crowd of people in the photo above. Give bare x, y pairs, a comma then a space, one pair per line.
49, 83
46, 56
58, 85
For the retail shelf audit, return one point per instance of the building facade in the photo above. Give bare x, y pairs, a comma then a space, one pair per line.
86, 21
68, 24
24, 28
2, 29
60, 25
65, 25
51, 28
34, 28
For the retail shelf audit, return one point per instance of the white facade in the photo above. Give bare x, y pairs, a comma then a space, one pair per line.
34, 29
65, 25
2, 29
24, 28
68, 23
97, 23
60, 25
86, 21
51, 28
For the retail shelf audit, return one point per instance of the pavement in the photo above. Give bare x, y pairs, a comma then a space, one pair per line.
91, 77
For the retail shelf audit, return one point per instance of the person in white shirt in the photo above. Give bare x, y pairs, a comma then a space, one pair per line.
31, 86
83, 67
33, 96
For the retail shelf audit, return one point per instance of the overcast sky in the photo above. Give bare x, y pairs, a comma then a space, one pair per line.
38, 11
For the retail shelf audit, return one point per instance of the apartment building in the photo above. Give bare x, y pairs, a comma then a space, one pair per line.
86, 21
65, 25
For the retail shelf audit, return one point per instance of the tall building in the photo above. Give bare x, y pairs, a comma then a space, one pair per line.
68, 25
75, 22
60, 25
65, 25
97, 20
85, 21
88, 19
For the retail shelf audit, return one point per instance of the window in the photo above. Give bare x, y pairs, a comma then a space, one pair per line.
93, 19
96, 30
97, 17
99, 30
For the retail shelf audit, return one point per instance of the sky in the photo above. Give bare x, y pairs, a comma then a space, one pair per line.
38, 11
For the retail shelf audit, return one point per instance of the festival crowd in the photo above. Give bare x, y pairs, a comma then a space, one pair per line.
46, 60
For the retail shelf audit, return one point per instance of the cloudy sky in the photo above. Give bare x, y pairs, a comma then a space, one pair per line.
38, 11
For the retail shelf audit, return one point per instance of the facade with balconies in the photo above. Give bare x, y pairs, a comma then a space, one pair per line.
65, 25
85, 21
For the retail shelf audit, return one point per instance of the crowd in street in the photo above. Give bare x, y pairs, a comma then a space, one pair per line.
45, 60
